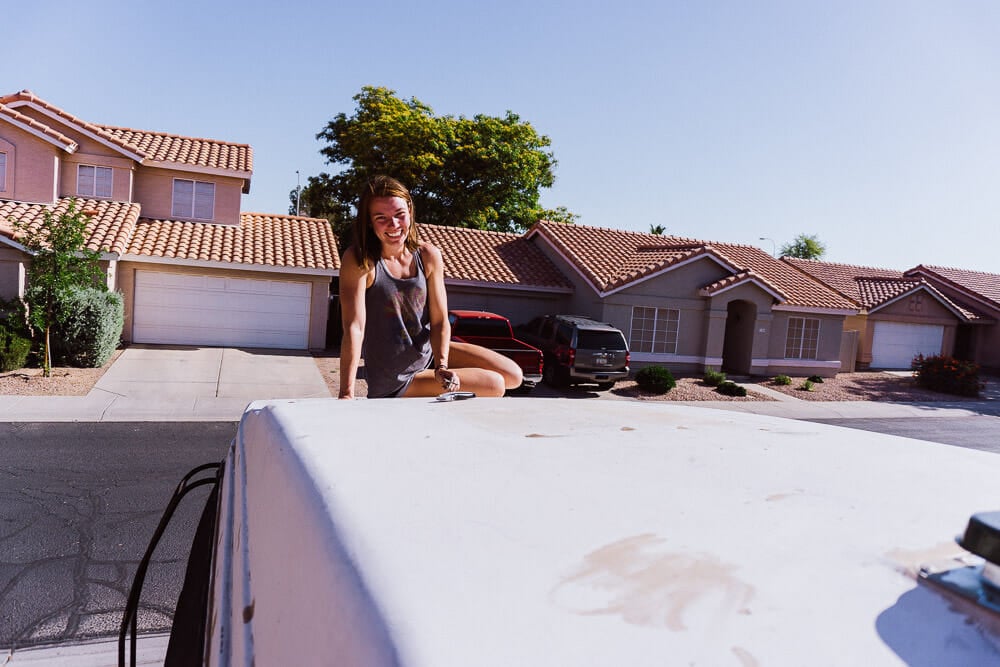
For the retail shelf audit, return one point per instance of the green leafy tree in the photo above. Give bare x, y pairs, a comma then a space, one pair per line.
483, 172
60, 260
804, 246
659, 230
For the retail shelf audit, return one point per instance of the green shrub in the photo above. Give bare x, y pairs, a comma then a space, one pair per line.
782, 380
730, 388
947, 375
655, 379
807, 385
714, 378
14, 349
89, 326
815, 379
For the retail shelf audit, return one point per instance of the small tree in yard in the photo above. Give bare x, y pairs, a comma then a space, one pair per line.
60, 261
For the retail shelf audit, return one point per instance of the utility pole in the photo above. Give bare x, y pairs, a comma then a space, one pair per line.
298, 193
774, 248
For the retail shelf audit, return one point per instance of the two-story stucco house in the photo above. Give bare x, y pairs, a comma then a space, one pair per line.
165, 214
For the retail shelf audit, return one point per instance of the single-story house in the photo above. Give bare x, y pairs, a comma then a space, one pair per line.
686, 304
926, 310
165, 215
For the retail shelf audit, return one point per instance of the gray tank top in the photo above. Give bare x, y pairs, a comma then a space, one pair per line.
397, 340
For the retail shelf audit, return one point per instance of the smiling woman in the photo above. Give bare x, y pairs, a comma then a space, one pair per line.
394, 307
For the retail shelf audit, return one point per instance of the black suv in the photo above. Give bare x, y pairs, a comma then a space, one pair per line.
578, 349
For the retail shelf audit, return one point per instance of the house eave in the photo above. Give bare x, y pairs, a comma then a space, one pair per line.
815, 310
668, 269
479, 284
198, 169
231, 266
69, 148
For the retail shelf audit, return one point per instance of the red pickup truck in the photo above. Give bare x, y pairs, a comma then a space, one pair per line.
494, 332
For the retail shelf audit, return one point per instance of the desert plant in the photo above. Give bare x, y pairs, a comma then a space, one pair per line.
815, 379
714, 378
14, 349
807, 385
655, 379
730, 388
782, 380
947, 374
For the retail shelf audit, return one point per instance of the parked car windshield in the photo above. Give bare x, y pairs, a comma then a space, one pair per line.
593, 340
494, 328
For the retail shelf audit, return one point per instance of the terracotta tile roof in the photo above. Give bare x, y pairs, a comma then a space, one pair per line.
111, 222
41, 128
260, 239
613, 258
874, 291
158, 146
496, 257
164, 147
841, 277
979, 283
871, 287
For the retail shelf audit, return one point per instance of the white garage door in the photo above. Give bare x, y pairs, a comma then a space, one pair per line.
181, 309
896, 343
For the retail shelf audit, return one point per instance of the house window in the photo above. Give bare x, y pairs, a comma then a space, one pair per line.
3, 172
193, 199
803, 338
654, 330
93, 181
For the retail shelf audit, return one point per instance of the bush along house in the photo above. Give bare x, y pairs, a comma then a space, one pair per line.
165, 214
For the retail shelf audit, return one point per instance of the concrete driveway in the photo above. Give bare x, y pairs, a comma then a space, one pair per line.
169, 373
171, 383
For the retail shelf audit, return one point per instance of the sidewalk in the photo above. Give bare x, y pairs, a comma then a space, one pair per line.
150, 650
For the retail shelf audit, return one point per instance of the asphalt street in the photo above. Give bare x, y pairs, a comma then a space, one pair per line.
78, 505
976, 432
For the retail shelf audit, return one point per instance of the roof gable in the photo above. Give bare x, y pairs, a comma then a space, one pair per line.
612, 259
145, 147
977, 284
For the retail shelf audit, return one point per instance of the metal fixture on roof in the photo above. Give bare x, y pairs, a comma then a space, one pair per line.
973, 579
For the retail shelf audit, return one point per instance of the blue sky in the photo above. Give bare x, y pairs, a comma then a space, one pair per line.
873, 125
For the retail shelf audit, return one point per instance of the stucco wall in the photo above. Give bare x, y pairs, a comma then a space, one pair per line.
13, 266
318, 311
121, 177
827, 361
154, 189
32, 166
518, 306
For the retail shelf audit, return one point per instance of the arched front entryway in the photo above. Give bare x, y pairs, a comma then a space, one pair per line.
737, 348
